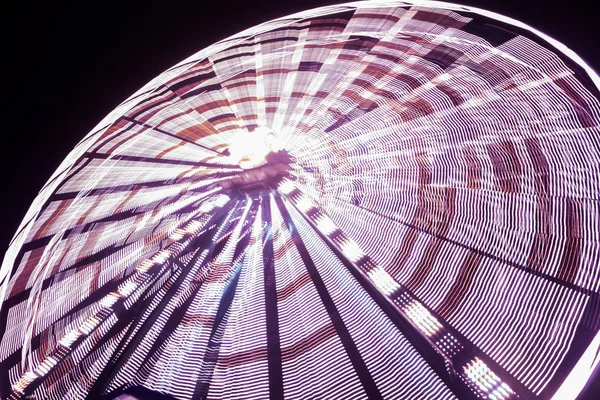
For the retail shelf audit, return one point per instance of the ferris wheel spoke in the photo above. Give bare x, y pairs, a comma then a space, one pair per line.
274, 357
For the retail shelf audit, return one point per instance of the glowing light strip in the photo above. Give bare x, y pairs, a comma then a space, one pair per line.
422, 318
487, 381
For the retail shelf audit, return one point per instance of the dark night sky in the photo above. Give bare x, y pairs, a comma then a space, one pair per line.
71, 64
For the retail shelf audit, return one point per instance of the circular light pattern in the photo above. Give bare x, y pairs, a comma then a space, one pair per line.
367, 200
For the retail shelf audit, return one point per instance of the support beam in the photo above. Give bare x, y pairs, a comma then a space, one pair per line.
341, 329
272, 313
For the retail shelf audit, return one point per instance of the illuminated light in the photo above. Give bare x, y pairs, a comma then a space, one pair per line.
70, 338
212, 203
492, 378
127, 288
46, 365
501, 392
109, 300
304, 204
352, 250
412, 60
161, 256
23, 382
421, 317
250, 149
474, 376
418, 320
286, 187
193, 226
89, 325
353, 74
221, 200
506, 388
486, 380
145, 266
207, 207
326, 225
383, 281
178, 234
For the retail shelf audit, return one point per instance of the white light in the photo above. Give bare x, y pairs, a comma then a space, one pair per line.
178, 234
351, 250
506, 387
221, 200
286, 187
89, 325
304, 204
326, 225
487, 380
145, 265
109, 300
24, 381
193, 226
70, 338
127, 288
161, 256
250, 149
213, 203
423, 318
502, 392
383, 281
46, 366
207, 207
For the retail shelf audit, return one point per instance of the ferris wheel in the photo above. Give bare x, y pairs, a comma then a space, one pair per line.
381, 199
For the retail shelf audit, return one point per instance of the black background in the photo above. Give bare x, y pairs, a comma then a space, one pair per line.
68, 64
